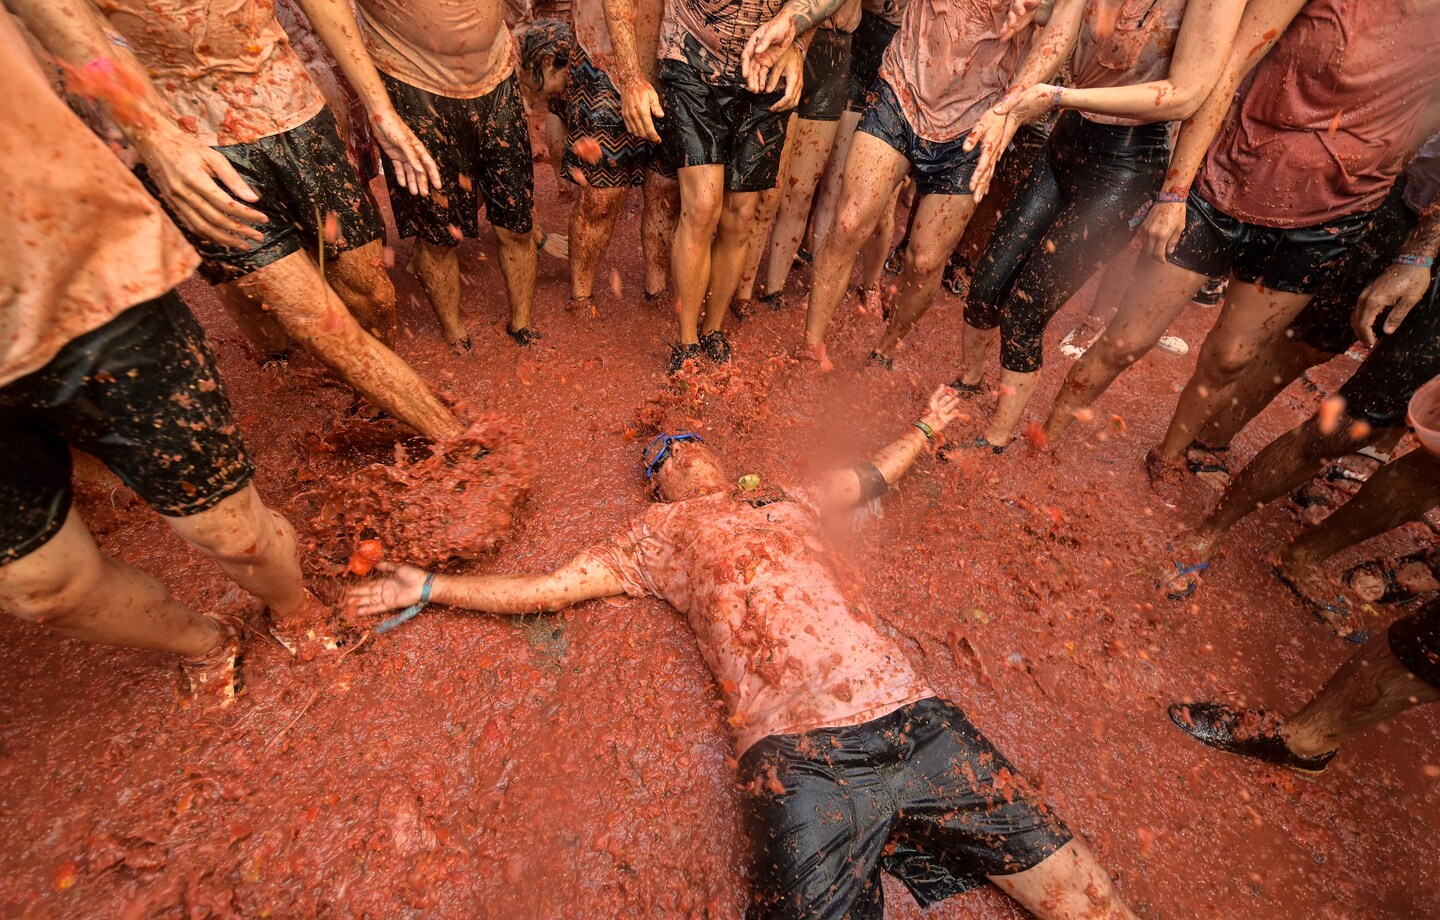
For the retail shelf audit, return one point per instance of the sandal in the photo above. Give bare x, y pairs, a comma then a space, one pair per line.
1335, 614
1180, 572
1247, 732
216, 678
524, 337
1394, 592
968, 390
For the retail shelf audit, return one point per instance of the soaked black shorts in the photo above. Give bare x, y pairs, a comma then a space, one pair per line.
1296, 260
1324, 324
827, 76
1415, 640
591, 108
872, 37
1380, 389
482, 147
721, 123
939, 167
141, 393
302, 176
919, 793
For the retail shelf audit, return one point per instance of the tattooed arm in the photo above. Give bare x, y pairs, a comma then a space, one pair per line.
771, 40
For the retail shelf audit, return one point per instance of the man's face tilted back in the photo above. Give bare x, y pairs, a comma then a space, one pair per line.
690, 470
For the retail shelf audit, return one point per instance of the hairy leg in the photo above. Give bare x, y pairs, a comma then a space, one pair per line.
313, 315
438, 268
1069, 885
727, 257
808, 155
517, 265
1250, 318
592, 221
873, 170
359, 278
657, 229
702, 193
939, 222
71, 587
256, 321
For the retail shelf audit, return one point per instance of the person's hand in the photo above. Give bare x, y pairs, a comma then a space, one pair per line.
944, 408
640, 106
1019, 16
201, 187
1029, 105
1162, 228
414, 167
992, 134
764, 49
791, 69
1398, 289
398, 587
557, 246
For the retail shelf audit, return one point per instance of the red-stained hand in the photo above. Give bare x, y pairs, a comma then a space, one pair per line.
195, 180
791, 69
992, 134
1021, 14
397, 588
1161, 229
1398, 289
413, 165
640, 106
944, 408
763, 50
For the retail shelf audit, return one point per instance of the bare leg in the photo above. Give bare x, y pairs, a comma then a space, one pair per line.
813, 140
1156, 295
256, 321
873, 170
1250, 318
592, 221
702, 192
1281, 362
1369, 688
438, 268
359, 278
657, 229
1069, 885
939, 222
1016, 388
517, 264
69, 586
1108, 295
727, 257
975, 351
876, 249
311, 314
764, 219
827, 200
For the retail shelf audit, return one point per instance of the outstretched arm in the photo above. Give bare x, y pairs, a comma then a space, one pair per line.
99, 65
580, 579
335, 23
848, 488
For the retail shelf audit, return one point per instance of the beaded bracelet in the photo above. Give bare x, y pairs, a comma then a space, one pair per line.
1406, 258
1171, 197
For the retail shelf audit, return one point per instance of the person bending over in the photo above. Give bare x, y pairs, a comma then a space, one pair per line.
854, 765
98, 352
723, 133
237, 141
1391, 674
574, 71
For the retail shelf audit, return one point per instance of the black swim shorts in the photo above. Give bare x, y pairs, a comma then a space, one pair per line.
302, 176
868, 46
827, 76
918, 793
142, 393
482, 147
939, 167
721, 123
1324, 324
1380, 389
1291, 259
1415, 640
591, 108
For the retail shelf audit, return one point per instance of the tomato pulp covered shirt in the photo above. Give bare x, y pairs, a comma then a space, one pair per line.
790, 650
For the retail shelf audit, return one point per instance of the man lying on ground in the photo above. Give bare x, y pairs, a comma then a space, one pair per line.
97, 351
831, 722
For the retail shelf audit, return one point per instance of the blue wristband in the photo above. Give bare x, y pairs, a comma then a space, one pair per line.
1406, 258
1171, 197
410, 612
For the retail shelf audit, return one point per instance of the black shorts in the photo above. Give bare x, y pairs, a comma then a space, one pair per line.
919, 793
1415, 640
1324, 324
827, 76
868, 46
939, 167
1291, 259
141, 393
482, 147
721, 123
591, 108
302, 176
1380, 389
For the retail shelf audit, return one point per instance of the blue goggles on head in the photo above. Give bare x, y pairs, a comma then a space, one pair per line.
655, 460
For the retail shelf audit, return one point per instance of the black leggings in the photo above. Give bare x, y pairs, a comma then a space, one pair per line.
1076, 208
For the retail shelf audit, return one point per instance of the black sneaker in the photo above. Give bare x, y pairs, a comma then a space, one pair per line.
679, 354
1247, 732
775, 300
968, 390
524, 337
1212, 293
895, 262
716, 346
880, 360
954, 277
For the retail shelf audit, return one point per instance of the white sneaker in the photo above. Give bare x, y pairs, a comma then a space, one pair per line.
1173, 343
1072, 349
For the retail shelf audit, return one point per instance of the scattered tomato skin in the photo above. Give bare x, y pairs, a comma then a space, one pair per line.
65, 875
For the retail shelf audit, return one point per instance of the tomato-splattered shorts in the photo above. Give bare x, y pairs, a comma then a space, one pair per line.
918, 793
141, 393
